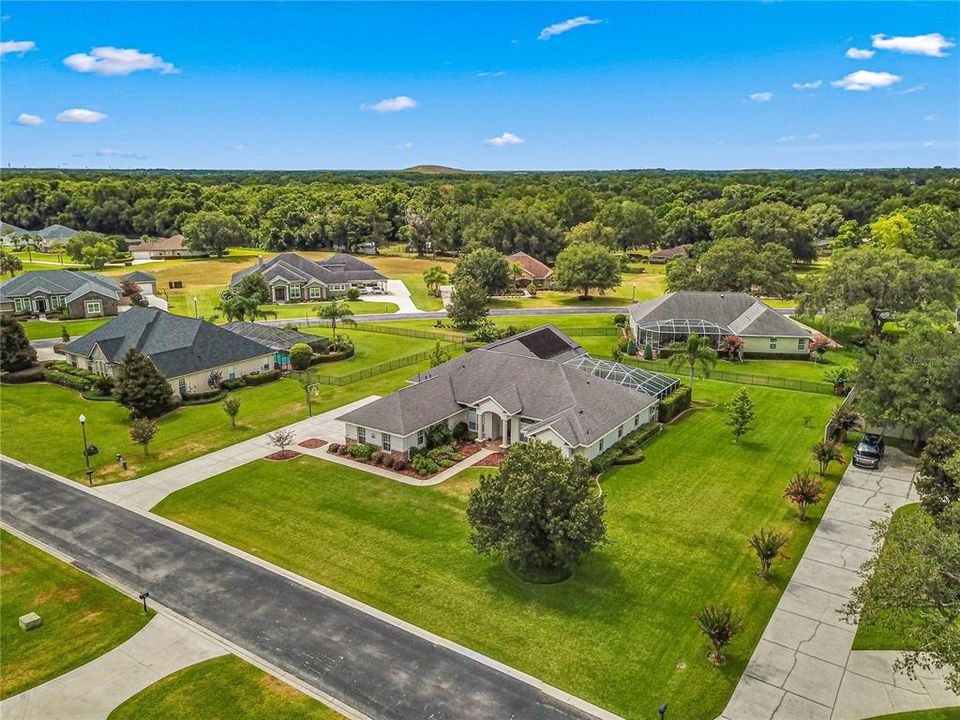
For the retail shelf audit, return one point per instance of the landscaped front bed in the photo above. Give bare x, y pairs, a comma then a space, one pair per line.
618, 633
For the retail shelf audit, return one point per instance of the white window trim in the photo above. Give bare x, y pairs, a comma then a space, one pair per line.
93, 303
385, 442
295, 292
773, 343
361, 434
315, 293
802, 344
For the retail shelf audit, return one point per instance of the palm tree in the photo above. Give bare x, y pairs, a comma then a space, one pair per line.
434, 277
845, 419
825, 453
334, 312
9, 264
696, 351
516, 272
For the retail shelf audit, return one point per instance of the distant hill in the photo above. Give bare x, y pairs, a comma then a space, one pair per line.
434, 170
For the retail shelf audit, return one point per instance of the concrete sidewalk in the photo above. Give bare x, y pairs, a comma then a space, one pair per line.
93, 690
803, 668
145, 492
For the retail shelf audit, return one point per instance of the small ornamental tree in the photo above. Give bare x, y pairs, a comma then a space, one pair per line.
64, 334
353, 294
281, 439
438, 356
300, 356
335, 312
540, 512
718, 623
142, 431
16, 353
825, 452
738, 414
843, 420
804, 490
732, 346
231, 406
819, 346
434, 277
768, 545
694, 353
141, 388
215, 379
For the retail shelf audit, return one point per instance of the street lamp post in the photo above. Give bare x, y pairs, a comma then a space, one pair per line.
634, 299
663, 711
196, 311
86, 453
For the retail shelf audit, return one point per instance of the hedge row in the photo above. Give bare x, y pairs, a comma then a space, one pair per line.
674, 404
261, 378
331, 357
30, 374
66, 379
626, 450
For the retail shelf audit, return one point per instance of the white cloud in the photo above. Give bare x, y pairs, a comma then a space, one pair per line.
787, 138
81, 115
502, 139
930, 118
120, 154
858, 54
916, 88
932, 44
813, 136
498, 73
813, 85
405, 146
565, 26
400, 102
928, 143
8, 47
864, 80
110, 60
761, 96
28, 119
238, 147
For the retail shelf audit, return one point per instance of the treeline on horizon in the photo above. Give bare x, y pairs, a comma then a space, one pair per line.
537, 212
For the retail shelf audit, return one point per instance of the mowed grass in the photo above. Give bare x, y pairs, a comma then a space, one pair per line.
952, 713
224, 688
615, 633
39, 424
82, 617
43, 330
370, 348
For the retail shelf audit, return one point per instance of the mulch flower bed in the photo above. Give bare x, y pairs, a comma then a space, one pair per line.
283, 455
491, 460
312, 443
465, 448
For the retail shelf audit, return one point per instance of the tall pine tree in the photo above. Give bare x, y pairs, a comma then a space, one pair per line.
141, 388
16, 352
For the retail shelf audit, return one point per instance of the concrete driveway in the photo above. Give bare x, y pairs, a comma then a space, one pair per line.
397, 293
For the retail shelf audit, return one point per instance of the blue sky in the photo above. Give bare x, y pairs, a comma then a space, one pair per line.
480, 86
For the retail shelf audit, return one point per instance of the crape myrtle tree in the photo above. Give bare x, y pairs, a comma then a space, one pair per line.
540, 512
585, 267
16, 353
141, 388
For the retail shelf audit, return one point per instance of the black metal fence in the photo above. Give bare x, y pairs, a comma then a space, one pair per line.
392, 329
810, 386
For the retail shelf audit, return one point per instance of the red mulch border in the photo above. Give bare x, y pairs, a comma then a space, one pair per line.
312, 443
283, 455
491, 460
466, 449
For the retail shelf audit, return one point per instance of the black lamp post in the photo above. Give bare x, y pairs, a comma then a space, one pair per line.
663, 711
86, 452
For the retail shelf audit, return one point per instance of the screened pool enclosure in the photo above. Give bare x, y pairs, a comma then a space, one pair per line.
645, 381
663, 332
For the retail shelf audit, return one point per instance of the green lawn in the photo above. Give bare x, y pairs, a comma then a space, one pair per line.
613, 634
82, 617
937, 714
42, 330
40, 426
370, 348
225, 688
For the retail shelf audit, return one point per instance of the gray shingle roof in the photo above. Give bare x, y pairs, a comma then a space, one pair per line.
57, 232
139, 276
177, 345
57, 282
743, 314
577, 405
337, 269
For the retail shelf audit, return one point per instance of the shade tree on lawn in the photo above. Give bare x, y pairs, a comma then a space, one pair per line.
213, 232
586, 266
468, 305
540, 512
487, 267
735, 265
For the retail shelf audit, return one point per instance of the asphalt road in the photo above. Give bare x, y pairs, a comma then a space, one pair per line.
372, 666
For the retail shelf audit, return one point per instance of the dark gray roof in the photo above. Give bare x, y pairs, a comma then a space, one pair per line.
57, 282
336, 269
57, 232
139, 276
277, 338
742, 314
177, 345
576, 404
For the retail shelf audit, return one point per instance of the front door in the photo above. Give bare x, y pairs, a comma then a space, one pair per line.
41, 305
280, 293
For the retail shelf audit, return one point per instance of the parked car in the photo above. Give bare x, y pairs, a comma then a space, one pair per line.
867, 455
876, 440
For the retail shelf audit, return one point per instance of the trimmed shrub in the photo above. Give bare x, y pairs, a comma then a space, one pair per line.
333, 448
399, 465
262, 378
439, 434
470, 436
647, 351
234, 384
387, 460
376, 456
67, 380
353, 294
300, 356
620, 319
31, 374
674, 404
332, 356
343, 450
362, 451
459, 430
424, 465
446, 463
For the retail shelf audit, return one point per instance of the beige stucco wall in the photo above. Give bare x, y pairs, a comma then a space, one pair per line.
785, 346
198, 382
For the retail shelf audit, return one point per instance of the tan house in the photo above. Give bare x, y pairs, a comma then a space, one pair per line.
174, 246
188, 352
535, 272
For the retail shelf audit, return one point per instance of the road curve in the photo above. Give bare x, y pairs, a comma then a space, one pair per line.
377, 668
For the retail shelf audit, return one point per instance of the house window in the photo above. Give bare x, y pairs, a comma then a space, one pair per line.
22, 305
94, 307
421, 438
620, 432
54, 302
294, 292
361, 435
183, 386
636, 421
472, 420
386, 442
802, 344
314, 293
773, 343
601, 444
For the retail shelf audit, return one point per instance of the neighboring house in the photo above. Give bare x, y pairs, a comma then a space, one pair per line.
535, 385
535, 272
146, 281
10, 233
279, 339
174, 246
667, 254
84, 294
368, 247
185, 350
714, 315
293, 278
54, 235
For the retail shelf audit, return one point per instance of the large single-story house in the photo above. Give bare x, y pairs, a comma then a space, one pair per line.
535, 272
279, 339
84, 294
714, 315
174, 246
10, 233
536, 385
54, 235
294, 278
185, 350
665, 255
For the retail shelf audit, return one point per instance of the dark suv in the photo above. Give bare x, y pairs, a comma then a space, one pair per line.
869, 452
